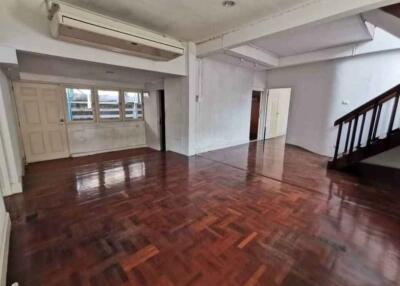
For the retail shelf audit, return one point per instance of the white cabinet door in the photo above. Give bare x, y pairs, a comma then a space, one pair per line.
41, 116
277, 112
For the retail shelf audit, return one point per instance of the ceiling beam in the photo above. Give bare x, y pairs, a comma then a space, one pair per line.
8, 55
312, 13
254, 55
384, 20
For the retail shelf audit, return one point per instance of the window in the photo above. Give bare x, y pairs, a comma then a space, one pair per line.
107, 105
133, 105
108, 101
79, 104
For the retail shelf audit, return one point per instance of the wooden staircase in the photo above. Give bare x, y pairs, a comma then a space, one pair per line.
370, 129
393, 10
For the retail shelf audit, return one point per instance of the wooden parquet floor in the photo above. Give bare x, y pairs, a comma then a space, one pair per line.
249, 215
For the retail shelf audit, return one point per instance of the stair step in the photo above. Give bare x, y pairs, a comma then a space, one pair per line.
396, 131
377, 146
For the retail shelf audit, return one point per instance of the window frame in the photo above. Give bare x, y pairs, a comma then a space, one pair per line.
141, 93
94, 107
121, 116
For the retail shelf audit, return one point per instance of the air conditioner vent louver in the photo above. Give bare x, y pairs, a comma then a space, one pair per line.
82, 27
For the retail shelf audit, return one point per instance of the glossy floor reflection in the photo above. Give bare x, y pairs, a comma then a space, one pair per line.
248, 215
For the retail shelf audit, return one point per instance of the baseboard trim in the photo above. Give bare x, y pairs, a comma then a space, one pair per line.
76, 155
224, 145
5, 231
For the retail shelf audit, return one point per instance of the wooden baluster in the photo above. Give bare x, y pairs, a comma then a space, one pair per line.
338, 142
378, 117
361, 130
353, 137
348, 137
371, 127
393, 116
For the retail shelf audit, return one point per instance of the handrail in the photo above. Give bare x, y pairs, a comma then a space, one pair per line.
368, 129
386, 96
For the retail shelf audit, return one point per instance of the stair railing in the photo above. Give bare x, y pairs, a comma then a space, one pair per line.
357, 119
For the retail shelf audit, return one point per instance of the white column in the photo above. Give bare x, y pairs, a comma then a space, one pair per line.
180, 107
11, 164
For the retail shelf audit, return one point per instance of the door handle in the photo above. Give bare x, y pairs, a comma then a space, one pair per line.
61, 120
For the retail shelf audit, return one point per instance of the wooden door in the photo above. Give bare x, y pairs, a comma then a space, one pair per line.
277, 112
161, 103
41, 116
255, 115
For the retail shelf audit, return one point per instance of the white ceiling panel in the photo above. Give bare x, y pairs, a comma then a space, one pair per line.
192, 20
312, 38
238, 61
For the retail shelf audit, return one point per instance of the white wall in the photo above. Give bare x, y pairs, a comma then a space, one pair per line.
28, 30
223, 113
5, 226
259, 82
180, 106
319, 89
90, 138
5, 223
10, 135
176, 118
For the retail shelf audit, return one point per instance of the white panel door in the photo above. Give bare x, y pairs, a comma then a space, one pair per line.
41, 116
277, 112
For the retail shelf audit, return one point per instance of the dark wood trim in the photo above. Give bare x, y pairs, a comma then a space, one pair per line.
375, 148
393, 10
376, 173
374, 144
161, 102
255, 114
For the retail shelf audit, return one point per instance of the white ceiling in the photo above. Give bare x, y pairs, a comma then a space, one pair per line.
192, 20
55, 66
229, 59
312, 38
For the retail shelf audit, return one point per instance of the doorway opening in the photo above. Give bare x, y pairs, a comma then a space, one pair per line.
161, 100
255, 114
277, 115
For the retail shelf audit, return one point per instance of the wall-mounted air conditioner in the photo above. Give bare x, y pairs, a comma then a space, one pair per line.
83, 27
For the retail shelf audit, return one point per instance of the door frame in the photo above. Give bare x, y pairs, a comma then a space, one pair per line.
60, 92
264, 121
263, 115
262, 112
260, 109
161, 119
